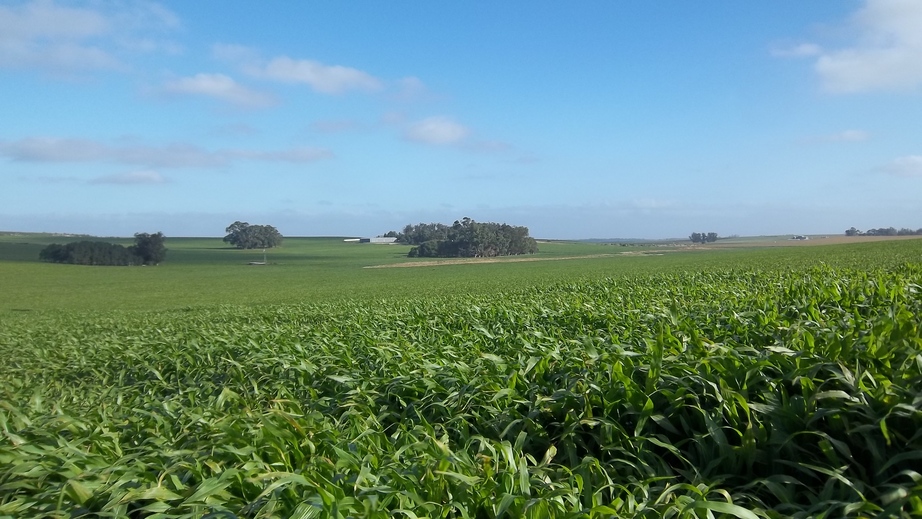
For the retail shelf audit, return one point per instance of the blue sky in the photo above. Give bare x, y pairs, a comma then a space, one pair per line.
600, 119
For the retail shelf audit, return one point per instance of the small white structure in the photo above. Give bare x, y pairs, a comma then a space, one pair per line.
263, 262
378, 240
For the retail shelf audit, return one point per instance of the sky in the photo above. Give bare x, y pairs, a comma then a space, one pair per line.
591, 119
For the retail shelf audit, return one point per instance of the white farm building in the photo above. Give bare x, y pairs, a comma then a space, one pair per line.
372, 240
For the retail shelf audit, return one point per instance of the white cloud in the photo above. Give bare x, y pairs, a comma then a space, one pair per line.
436, 130
220, 87
175, 155
44, 35
326, 79
45, 149
132, 178
322, 78
909, 166
886, 54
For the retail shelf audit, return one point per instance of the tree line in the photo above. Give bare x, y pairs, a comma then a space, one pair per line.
148, 249
888, 231
700, 237
465, 238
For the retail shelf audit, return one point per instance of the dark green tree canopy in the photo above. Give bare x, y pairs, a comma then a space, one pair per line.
149, 247
701, 237
466, 238
245, 236
147, 250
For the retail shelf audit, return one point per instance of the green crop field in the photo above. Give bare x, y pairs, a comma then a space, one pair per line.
201, 272
745, 382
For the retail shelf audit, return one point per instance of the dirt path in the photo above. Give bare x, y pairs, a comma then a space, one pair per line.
463, 261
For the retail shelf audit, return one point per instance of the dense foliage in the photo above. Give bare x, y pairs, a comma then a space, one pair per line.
701, 237
466, 238
420, 233
148, 249
722, 392
245, 236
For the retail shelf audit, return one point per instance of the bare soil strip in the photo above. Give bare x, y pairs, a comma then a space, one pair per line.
463, 261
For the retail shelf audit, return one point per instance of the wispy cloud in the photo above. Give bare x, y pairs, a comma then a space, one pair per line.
437, 130
321, 77
46, 35
410, 88
302, 155
886, 53
131, 178
800, 50
843, 136
175, 155
326, 79
908, 166
235, 54
218, 86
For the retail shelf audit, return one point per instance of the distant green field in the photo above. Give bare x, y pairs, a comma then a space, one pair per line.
205, 272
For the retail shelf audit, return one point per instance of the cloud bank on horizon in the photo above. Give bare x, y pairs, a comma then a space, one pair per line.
606, 120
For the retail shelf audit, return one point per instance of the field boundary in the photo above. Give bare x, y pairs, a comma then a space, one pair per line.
467, 261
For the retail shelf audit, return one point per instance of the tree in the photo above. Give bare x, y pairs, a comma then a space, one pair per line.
245, 236
700, 237
149, 247
420, 233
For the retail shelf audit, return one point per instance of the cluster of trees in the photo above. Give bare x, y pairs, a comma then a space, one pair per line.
420, 233
889, 231
245, 236
148, 249
466, 239
700, 237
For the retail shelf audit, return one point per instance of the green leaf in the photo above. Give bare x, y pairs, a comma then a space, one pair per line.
720, 507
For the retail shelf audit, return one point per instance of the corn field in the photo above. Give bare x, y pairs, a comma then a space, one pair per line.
725, 392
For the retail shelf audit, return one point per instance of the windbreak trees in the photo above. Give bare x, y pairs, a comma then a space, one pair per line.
245, 236
147, 250
468, 239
